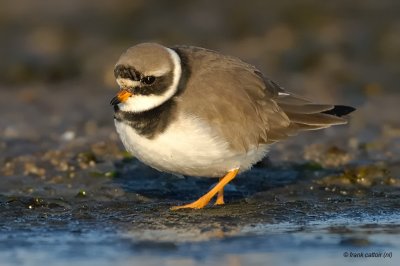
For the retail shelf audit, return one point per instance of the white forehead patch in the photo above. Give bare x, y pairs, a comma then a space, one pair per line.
127, 83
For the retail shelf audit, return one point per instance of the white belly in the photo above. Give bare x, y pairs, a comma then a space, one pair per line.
188, 146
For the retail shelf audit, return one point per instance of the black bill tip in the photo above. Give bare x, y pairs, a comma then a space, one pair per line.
115, 101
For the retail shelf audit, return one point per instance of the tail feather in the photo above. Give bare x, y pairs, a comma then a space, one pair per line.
340, 110
304, 115
305, 108
315, 119
315, 116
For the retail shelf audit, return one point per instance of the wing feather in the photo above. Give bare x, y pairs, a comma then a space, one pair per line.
242, 105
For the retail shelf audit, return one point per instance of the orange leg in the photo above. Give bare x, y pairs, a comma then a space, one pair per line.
220, 196
205, 199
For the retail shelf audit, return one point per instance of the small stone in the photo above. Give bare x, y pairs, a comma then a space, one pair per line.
68, 135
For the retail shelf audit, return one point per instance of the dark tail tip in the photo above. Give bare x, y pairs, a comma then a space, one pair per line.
340, 110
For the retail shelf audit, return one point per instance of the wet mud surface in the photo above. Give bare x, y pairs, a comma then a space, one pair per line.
69, 193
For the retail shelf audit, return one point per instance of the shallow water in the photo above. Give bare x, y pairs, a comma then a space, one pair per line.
334, 241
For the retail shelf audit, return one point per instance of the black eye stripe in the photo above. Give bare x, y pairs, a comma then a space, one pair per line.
158, 87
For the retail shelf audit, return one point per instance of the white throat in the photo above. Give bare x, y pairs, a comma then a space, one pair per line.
140, 103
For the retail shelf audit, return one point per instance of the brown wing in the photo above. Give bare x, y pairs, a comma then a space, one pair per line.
243, 106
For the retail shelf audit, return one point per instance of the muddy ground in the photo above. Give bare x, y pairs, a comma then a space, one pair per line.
69, 193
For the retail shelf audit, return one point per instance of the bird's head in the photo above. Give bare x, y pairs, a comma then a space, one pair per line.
148, 75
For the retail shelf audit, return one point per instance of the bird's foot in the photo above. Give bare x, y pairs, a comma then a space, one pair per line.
205, 199
198, 204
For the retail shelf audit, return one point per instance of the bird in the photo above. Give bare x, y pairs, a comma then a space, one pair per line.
188, 110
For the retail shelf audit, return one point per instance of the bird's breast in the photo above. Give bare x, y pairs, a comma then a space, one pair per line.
188, 146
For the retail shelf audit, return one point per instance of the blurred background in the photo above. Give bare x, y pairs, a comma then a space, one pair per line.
67, 187
342, 51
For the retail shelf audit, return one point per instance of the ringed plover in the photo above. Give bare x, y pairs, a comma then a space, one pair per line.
192, 111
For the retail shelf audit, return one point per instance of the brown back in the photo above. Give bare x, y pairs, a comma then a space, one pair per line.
244, 107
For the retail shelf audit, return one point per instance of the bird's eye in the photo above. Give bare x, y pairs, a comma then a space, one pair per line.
148, 80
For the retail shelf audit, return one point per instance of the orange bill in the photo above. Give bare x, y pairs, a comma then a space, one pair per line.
121, 97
